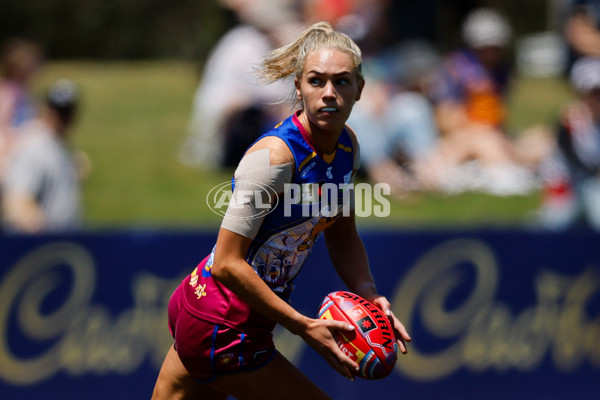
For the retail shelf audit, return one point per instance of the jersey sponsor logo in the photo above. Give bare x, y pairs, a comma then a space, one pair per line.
348, 177
308, 168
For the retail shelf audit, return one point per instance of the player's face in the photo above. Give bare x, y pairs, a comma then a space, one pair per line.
328, 88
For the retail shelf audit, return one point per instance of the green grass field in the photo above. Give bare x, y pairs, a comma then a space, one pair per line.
134, 118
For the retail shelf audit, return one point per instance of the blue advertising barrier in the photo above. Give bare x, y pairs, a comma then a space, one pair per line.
494, 315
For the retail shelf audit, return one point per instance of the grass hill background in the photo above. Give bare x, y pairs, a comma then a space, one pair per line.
134, 118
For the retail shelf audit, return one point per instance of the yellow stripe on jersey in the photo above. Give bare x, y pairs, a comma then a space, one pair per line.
307, 159
347, 149
328, 158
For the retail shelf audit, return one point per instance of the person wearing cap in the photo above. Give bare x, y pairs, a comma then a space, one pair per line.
469, 97
572, 191
41, 185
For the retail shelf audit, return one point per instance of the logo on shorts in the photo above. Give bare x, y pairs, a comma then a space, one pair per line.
227, 358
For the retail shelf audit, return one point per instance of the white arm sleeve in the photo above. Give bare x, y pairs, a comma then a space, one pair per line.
256, 185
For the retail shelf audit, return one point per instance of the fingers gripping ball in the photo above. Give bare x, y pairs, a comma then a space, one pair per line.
372, 344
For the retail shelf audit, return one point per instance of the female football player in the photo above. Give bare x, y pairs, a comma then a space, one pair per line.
223, 314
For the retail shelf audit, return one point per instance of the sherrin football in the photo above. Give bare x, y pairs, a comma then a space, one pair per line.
372, 344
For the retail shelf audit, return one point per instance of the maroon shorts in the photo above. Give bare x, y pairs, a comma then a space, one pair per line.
207, 350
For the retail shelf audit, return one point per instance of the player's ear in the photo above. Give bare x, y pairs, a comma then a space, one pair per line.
298, 92
361, 86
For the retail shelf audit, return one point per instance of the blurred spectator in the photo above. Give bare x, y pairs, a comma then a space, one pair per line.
231, 108
366, 21
582, 28
394, 120
469, 97
332, 11
20, 61
41, 188
572, 193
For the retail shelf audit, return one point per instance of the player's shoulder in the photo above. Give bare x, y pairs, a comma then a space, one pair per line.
353, 137
279, 152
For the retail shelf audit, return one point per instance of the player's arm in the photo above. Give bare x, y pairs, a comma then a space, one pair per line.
345, 246
234, 239
349, 257
231, 269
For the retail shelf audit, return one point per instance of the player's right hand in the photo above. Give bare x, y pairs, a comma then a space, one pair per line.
318, 333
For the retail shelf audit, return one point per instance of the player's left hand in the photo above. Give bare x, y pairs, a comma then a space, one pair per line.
400, 331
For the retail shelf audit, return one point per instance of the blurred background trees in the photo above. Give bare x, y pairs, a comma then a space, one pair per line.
187, 29
124, 29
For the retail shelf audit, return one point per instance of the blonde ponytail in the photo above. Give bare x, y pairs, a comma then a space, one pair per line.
289, 59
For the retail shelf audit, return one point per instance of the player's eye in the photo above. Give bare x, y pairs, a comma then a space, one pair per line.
314, 81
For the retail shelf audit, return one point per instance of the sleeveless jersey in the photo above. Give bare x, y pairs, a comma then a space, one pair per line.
287, 234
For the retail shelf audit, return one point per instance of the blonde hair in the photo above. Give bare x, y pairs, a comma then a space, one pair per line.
289, 59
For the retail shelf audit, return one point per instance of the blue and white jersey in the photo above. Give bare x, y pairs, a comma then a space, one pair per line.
288, 233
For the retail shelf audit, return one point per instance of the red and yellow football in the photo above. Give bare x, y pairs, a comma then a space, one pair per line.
372, 344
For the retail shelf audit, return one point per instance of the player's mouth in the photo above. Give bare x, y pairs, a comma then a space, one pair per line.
328, 109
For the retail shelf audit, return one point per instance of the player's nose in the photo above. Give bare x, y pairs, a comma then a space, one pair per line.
329, 90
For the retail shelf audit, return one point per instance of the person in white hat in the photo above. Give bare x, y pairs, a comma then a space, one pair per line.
470, 106
41, 184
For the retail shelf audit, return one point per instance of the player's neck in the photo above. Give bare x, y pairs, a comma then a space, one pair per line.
324, 141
